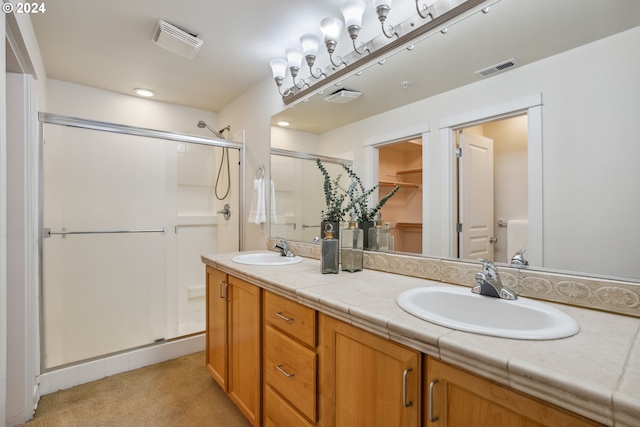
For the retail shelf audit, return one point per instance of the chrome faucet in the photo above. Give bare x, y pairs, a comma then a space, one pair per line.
489, 283
284, 249
518, 258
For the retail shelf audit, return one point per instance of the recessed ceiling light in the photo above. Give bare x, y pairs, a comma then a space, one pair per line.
144, 92
283, 123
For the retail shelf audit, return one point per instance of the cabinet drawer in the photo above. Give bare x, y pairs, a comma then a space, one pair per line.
293, 318
290, 368
278, 413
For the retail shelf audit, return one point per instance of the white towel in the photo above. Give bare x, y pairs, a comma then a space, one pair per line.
258, 210
273, 203
517, 236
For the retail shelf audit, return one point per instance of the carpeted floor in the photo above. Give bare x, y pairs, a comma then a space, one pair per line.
175, 393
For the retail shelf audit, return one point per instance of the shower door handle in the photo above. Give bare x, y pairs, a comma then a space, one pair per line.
48, 233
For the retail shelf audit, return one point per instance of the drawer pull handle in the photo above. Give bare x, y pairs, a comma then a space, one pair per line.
283, 317
431, 386
404, 388
285, 373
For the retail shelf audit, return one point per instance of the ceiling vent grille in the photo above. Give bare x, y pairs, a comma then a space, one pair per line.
176, 40
504, 65
343, 96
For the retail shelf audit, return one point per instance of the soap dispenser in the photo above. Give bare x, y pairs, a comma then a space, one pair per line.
330, 252
351, 240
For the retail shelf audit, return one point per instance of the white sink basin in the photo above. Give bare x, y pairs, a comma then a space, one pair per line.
266, 259
458, 308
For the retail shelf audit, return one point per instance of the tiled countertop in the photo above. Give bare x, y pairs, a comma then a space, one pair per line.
595, 373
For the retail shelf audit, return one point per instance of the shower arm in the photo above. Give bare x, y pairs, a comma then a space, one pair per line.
217, 133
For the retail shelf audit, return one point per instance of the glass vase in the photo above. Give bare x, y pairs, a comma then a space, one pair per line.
351, 248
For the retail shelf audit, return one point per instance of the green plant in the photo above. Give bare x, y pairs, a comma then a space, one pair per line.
359, 197
334, 196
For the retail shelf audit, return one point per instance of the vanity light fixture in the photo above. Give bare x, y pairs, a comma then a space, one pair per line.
382, 9
144, 92
331, 29
294, 60
279, 69
310, 44
352, 10
421, 8
442, 13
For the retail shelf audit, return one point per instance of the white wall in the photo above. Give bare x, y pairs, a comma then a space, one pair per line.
293, 140
95, 104
252, 113
589, 125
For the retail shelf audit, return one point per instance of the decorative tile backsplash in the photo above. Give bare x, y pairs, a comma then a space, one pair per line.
615, 296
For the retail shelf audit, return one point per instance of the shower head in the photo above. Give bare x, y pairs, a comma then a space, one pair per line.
217, 133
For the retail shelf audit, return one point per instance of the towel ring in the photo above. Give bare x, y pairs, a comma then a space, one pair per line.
260, 172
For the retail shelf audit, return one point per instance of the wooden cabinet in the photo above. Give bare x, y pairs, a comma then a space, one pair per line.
455, 398
290, 363
366, 380
285, 365
233, 340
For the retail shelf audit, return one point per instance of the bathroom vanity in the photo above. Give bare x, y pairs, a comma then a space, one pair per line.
336, 350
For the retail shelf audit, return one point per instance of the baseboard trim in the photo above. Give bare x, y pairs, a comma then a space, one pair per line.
72, 376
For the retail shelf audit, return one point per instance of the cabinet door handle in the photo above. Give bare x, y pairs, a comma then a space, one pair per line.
404, 388
285, 373
222, 291
432, 384
283, 317
226, 293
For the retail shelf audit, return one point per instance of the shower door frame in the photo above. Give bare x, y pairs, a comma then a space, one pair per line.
56, 119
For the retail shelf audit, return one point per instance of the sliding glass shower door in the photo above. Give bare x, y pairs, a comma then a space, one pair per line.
126, 219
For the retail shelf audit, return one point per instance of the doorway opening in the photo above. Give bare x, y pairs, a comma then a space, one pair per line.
492, 189
400, 163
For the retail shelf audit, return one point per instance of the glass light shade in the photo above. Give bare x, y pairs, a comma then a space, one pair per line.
331, 28
278, 67
294, 57
352, 11
378, 3
310, 43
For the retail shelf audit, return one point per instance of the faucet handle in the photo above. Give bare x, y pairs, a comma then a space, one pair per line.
489, 268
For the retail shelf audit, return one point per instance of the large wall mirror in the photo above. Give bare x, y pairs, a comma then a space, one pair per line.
299, 192
563, 121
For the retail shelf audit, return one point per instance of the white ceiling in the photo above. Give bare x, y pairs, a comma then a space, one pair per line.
107, 45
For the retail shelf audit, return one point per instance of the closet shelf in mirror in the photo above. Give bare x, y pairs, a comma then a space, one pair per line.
400, 183
409, 225
408, 171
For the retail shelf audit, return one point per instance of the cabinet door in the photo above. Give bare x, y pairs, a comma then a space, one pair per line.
245, 348
217, 339
366, 380
461, 399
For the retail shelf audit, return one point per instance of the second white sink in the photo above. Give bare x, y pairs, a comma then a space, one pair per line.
265, 259
458, 308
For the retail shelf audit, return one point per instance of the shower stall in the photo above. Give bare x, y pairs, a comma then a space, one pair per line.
126, 214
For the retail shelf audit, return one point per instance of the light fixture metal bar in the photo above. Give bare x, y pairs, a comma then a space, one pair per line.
442, 12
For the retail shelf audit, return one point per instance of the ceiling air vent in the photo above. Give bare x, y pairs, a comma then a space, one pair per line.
504, 65
176, 40
343, 96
